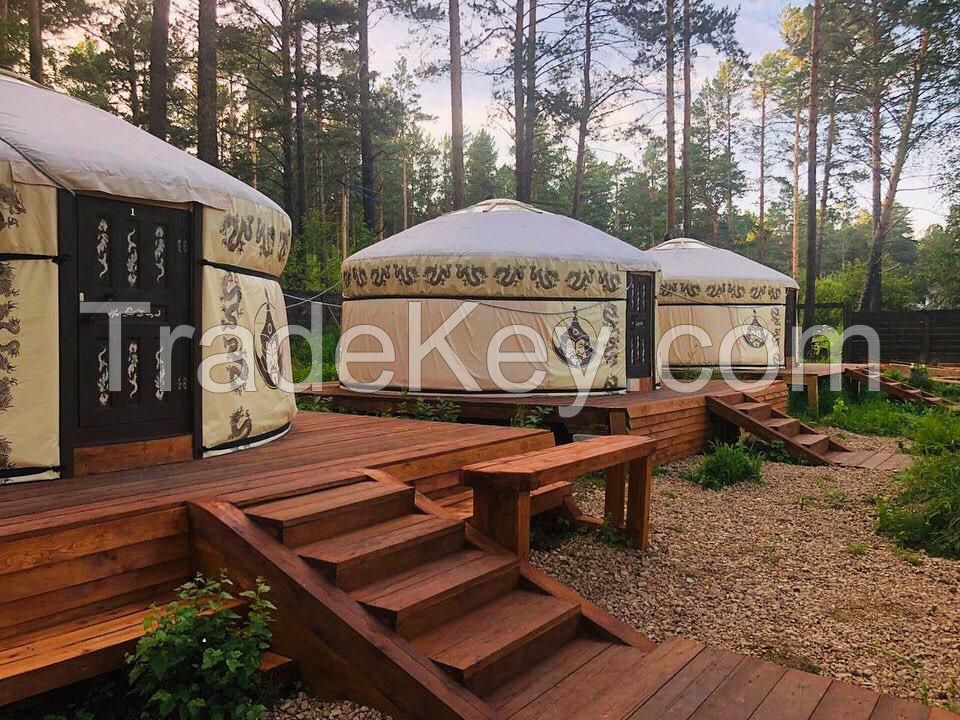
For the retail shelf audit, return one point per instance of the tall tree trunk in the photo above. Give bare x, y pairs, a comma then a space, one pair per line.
252, 139
35, 42
827, 168
872, 299
300, 127
530, 108
405, 192
133, 88
207, 146
318, 98
366, 131
456, 108
157, 121
670, 41
286, 102
728, 154
761, 221
4, 30
585, 110
810, 291
687, 99
795, 237
519, 111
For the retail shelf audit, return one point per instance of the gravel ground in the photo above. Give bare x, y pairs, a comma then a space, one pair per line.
789, 570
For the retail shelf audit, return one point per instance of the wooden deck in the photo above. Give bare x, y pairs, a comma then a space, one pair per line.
384, 597
679, 421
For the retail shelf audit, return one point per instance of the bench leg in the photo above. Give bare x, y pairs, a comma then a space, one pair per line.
504, 517
613, 494
638, 502
813, 394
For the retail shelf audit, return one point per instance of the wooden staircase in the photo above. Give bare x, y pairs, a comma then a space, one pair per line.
800, 440
898, 390
386, 599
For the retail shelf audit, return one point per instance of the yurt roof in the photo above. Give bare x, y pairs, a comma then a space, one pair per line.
689, 259
507, 228
51, 138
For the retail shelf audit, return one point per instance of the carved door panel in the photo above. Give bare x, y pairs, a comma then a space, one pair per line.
133, 267
639, 325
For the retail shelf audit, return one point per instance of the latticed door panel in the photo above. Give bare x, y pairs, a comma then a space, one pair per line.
639, 325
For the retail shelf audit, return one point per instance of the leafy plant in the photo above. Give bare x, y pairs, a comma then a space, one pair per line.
925, 513
531, 416
726, 465
610, 534
920, 377
936, 433
314, 403
423, 409
199, 657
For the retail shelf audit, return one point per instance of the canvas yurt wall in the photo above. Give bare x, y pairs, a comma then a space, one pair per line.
718, 290
94, 211
508, 265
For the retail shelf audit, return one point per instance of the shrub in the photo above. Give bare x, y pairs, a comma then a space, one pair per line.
925, 513
726, 465
874, 416
920, 377
936, 433
200, 659
532, 416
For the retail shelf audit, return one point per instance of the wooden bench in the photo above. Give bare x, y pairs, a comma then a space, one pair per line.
502, 488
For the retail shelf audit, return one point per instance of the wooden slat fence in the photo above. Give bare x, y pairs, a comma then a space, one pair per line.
923, 336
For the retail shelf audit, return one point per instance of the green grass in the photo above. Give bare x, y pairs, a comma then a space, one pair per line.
925, 512
726, 465
301, 354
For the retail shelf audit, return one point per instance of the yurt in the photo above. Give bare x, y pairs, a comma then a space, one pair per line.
718, 291
501, 276
103, 225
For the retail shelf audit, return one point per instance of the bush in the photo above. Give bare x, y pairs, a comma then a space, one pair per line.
531, 416
199, 659
874, 416
936, 433
925, 514
726, 465
301, 355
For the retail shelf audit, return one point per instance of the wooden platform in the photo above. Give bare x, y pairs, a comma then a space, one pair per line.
383, 597
679, 421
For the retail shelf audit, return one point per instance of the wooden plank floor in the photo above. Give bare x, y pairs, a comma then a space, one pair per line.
678, 419
319, 447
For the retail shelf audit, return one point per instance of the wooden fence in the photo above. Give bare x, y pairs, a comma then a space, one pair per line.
922, 336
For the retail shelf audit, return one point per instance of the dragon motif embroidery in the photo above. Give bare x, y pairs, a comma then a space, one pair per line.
133, 257
684, 289
726, 288
509, 275
266, 238
236, 231
437, 275
6, 393
380, 276
10, 205
543, 278
472, 275
6, 280
133, 365
160, 379
160, 251
406, 274
231, 297
609, 281
240, 424
103, 377
283, 245
103, 246
359, 276
10, 324
238, 369
577, 280
611, 319
10, 349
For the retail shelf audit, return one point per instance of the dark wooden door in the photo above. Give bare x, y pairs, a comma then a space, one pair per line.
639, 325
130, 254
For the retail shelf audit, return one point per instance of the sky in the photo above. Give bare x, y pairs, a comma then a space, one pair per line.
758, 33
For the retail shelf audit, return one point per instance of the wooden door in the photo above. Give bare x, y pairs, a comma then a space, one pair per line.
130, 254
639, 325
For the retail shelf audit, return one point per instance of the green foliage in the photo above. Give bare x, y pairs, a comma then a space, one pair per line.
423, 409
936, 433
939, 258
201, 659
301, 353
610, 534
315, 403
925, 513
726, 465
874, 416
920, 377
531, 416
772, 451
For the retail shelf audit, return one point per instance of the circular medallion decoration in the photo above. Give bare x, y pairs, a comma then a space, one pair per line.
756, 334
267, 350
573, 341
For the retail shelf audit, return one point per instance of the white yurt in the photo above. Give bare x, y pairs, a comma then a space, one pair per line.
102, 224
502, 275
718, 290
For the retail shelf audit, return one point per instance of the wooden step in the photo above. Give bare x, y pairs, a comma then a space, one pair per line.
757, 410
307, 518
420, 599
487, 646
813, 441
359, 557
786, 426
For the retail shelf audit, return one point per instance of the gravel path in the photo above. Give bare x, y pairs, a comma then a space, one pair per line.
789, 570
